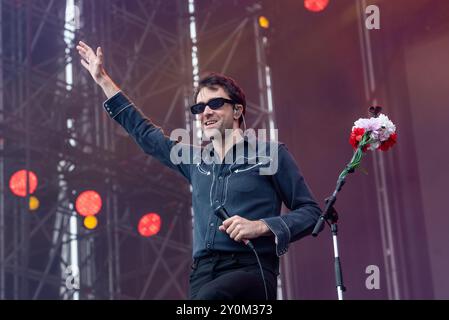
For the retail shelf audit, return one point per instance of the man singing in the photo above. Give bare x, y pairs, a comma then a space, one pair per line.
223, 266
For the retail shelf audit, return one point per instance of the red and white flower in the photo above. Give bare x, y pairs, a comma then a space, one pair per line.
382, 133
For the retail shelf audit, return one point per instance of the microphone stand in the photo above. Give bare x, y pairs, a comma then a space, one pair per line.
330, 215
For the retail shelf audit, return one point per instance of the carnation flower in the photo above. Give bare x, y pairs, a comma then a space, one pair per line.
374, 133
381, 131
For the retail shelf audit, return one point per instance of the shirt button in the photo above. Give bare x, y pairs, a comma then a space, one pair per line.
220, 178
216, 201
211, 224
208, 245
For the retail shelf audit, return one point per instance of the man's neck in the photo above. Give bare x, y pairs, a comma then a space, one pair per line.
222, 147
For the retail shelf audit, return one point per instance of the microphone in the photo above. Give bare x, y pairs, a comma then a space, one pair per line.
221, 213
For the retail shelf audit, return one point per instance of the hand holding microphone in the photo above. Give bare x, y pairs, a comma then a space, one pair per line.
240, 229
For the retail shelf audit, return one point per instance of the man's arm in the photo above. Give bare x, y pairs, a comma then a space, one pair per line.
296, 195
148, 136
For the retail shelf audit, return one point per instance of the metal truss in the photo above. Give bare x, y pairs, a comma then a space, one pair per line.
37, 106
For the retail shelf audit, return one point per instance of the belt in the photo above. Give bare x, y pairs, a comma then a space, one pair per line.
268, 261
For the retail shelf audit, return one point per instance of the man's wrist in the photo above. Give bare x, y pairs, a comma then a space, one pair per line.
108, 86
263, 229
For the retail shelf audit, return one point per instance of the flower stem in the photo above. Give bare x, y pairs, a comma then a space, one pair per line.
356, 157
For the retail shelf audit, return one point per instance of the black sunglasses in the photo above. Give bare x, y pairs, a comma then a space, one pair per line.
214, 104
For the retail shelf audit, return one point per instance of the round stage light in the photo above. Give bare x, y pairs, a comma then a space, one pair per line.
34, 203
90, 222
149, 225
88, 203
18, 181
316, 5
264, 22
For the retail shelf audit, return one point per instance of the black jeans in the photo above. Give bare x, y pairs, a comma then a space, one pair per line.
225, 276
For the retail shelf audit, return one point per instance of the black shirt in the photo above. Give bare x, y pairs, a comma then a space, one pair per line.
236, 183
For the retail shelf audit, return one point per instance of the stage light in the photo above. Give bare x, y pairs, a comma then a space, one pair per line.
17, 183
34, 203
149, 224
264, 22
90, 222
316, 5
88, 203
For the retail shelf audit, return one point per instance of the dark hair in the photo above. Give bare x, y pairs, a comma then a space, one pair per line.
214, 80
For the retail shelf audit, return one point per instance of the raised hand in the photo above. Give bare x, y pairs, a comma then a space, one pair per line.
93, 62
